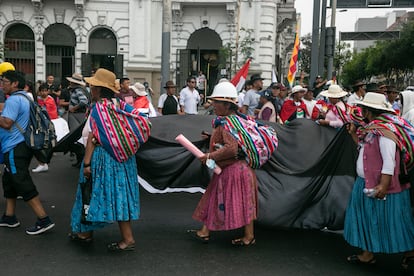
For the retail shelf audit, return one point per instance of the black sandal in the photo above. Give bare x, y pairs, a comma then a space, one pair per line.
193, 234
77, 238
406, 261
240, 242
354, 259
114, 247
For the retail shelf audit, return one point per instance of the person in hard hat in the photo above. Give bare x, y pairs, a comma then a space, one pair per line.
233, 205
4, 67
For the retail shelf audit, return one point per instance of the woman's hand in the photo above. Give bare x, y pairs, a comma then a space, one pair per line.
204, 158
351, 128
382, 187
87, 172
323, 122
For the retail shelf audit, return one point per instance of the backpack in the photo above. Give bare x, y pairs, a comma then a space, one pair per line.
257, 141
40, 133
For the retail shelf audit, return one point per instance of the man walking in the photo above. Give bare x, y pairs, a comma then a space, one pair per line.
251, 99
189, 97
17, 156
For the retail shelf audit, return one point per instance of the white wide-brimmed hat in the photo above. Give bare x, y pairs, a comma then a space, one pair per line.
76, 78
139, 89
334, 91
376, 101
298, 88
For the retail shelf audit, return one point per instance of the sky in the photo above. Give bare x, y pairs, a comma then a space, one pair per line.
345, 21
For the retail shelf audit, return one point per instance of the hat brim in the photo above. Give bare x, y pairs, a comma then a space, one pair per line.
376, 106
300, 90
221, 99
332, 95
138, 92
93, 81
76, 81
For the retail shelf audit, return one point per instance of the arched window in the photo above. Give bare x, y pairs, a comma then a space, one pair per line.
60, 42
19, 49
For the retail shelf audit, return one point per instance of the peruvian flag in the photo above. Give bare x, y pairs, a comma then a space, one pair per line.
240, 78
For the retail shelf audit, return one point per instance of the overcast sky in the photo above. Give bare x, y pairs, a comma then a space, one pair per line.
345, 21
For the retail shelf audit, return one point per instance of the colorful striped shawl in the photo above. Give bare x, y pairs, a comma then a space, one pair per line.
395, 128
119, 128
258, 142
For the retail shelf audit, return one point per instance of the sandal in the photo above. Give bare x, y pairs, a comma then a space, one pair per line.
77, 238
406, 261
354, 259
194, 235
114, 247
240, 242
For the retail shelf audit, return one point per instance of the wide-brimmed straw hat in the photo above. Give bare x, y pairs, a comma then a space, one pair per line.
104, 78
76, 78
334, 91
376, 101
225, 92
139, 89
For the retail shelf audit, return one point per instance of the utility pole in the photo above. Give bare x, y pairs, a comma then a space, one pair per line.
165, 43
322, 45
331, 57
315, 41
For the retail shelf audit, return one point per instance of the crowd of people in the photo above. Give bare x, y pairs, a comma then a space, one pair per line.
378, 218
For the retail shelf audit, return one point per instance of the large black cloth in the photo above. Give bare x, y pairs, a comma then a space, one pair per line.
306, 184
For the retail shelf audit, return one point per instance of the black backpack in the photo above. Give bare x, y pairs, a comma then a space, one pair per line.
40, 133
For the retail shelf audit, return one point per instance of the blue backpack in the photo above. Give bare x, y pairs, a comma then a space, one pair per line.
40, 133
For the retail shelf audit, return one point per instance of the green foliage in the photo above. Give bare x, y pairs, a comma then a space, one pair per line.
393, 59
305, 53
236, 55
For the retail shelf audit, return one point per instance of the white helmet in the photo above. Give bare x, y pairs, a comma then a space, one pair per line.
224, 91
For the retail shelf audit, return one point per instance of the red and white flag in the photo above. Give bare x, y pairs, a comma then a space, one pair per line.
240, 78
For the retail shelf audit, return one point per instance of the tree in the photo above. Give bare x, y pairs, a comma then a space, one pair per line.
393, 59
305, 53
231, 58
343, 55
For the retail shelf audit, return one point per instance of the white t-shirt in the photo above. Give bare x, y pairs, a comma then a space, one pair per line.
354, 99
189, 99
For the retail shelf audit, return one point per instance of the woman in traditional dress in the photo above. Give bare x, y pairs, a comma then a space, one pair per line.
379, 218
337, 113
109, 165
230, 200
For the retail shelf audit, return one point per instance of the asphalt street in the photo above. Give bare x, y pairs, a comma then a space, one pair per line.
162, 245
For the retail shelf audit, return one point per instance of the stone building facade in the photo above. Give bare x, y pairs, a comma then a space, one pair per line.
60, 37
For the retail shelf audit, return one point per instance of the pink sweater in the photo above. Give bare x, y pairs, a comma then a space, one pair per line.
372, 161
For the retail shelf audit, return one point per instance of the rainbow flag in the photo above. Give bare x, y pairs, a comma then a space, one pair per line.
293, 65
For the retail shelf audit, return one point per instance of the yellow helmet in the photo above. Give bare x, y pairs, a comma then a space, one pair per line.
6, 66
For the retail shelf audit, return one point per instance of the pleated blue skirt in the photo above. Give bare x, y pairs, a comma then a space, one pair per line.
115, 193
379, 226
